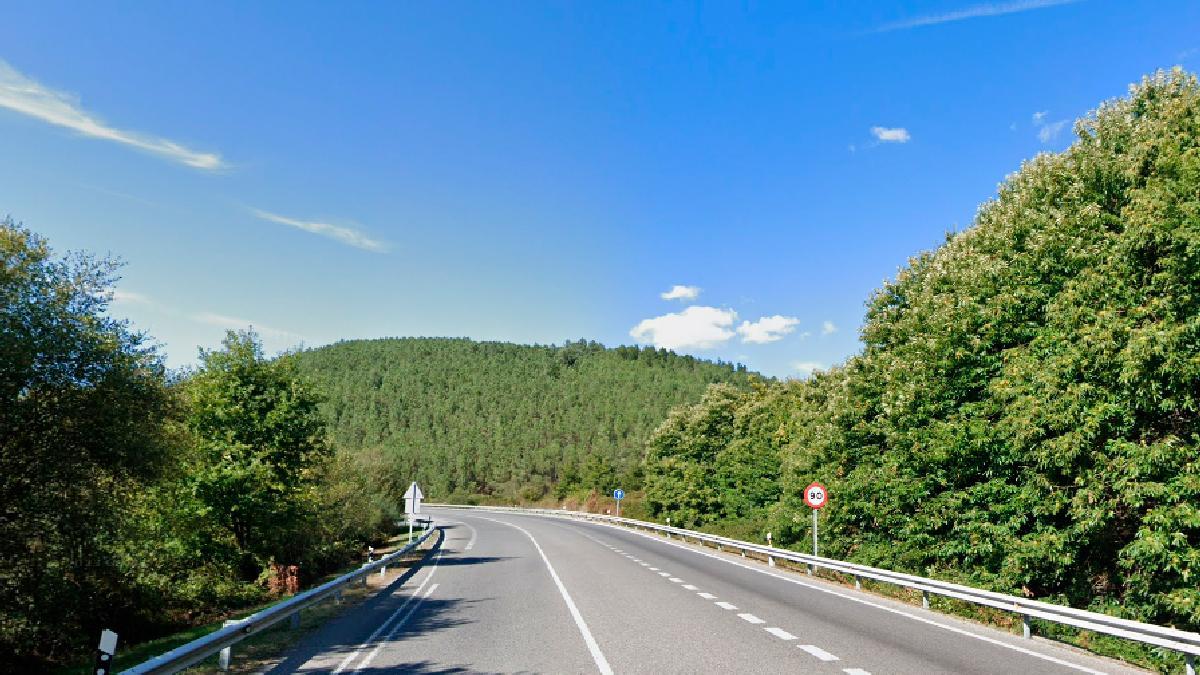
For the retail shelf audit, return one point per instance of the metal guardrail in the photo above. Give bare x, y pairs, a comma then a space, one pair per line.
199, 649
1185, 642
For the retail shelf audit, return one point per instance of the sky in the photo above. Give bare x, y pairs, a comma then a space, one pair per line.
729, 180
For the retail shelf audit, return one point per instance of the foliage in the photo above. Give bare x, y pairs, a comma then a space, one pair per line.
82, 401
502, 420
1024, 415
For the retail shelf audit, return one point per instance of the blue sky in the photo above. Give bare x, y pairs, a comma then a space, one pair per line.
537, 172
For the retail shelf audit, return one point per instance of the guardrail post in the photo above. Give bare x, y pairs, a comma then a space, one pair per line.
810, 569
1026, 629
857, 583
227, 653
337, 596
925, 599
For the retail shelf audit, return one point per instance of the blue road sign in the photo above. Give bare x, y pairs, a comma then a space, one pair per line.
618, 494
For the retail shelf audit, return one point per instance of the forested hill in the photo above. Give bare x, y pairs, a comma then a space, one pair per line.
501, 419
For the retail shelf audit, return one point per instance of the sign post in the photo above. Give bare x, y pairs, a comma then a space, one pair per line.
618, 495
815, 495
412, 505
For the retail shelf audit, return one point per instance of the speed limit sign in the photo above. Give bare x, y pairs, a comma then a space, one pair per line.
815, 495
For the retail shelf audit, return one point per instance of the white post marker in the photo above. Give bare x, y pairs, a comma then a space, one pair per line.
815, 495
618, 495
412, 505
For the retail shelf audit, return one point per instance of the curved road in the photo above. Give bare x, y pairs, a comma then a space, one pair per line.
510, 593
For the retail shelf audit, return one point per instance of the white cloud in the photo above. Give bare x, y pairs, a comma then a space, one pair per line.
29, 97
694, 328
679, 292
767, 329
234, 323
1050, 131
895, 135
1039, 116
973, 12
807, 367
827, 328
345, 235
130, 298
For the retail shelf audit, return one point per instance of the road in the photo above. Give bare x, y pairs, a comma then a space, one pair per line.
509, 593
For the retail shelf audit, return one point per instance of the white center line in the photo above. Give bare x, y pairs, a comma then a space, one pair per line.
780, 633
819, 653
856, 671
593, 647
707, 596
690, 587
725, 605
395, 629
751, 618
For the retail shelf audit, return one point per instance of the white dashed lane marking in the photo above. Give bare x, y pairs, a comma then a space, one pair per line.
856, 671
725, 605
819, 653
664, 574
751, 618
690, 587
780, 633
675, 580
707, 596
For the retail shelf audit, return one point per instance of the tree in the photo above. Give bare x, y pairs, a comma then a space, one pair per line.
82, 404
260, 443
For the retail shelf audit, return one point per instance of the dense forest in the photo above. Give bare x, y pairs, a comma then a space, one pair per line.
501, 420
1025, 414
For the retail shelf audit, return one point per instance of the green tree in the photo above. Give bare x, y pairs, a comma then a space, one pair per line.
261, 446
82, 404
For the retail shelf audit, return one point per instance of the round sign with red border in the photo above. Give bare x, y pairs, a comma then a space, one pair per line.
815, 495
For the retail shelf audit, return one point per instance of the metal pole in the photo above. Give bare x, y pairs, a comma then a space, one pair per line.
815, 532
618, 508
410, 529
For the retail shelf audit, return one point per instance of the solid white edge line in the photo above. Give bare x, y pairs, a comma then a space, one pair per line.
395, 629
862, 601
819, 653
593, 647
386, 622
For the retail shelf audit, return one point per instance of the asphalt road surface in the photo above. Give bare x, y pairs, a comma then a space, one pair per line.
508, 593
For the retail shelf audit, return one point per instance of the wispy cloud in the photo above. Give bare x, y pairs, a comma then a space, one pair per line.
891, 135
827, 328
29, 97
807, 368
679, 292
346, 235
767, 329
1039, 116
972, 12
207, 318
1050, 131
694, 328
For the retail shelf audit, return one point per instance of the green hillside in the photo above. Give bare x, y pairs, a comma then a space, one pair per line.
504, 420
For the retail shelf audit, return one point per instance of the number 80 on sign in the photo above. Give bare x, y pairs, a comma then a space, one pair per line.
815, 495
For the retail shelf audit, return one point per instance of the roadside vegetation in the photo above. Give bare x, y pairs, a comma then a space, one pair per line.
1024, 414
141, 500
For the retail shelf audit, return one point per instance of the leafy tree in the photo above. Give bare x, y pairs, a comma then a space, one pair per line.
82, 401
260, 444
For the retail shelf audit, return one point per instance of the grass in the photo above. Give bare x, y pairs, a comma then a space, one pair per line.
260, 649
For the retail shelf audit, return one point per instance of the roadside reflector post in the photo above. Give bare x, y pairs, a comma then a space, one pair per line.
770, 558
105, 652
857, 582
226, 654
1190, 664
1026, 629
337, 596
925, 599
